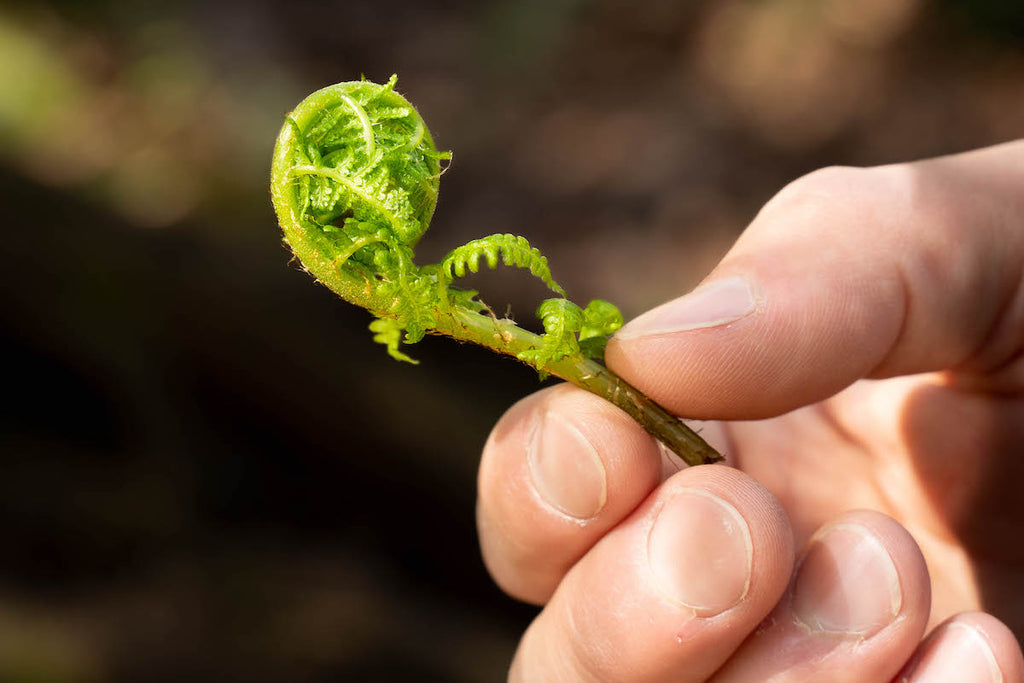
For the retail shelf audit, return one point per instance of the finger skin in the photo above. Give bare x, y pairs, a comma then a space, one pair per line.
527, 543
612, 619
790, 647
970, 646
854, 273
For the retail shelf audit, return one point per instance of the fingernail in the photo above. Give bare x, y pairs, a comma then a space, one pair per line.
956, 648
847, 583
719, 302
566, 469
700, 552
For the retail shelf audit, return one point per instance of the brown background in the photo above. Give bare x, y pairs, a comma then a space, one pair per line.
208, 470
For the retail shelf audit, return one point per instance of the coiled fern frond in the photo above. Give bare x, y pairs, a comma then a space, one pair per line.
354, 181
514, 251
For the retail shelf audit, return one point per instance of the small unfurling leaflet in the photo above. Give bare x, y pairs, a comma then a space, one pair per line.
514, 251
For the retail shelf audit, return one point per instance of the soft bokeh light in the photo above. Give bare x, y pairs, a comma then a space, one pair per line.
209, 470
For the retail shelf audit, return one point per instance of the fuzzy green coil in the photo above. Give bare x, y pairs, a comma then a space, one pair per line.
354, 182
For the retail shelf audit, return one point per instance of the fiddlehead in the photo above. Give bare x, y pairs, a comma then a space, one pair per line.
354, 182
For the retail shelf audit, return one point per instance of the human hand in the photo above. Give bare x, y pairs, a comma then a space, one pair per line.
860, 351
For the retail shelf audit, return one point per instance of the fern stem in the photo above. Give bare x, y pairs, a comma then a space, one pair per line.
504, 336
658, 422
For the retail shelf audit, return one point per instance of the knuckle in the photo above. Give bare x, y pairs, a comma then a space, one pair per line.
837, 198
825, 189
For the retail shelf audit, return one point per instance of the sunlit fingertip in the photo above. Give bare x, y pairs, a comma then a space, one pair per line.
955, 647
566, 470
847, 583
700, 552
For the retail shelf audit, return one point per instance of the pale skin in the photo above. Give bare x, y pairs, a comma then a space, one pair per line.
859, 357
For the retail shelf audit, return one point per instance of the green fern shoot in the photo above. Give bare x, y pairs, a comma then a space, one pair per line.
354, 182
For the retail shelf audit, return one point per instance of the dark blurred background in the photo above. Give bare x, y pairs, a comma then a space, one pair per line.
209, 471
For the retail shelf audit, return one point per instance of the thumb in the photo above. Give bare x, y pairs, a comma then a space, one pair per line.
847, 273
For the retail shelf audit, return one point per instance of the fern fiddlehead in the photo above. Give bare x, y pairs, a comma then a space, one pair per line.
354, 181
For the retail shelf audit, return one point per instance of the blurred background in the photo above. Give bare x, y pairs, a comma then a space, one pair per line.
209, 471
